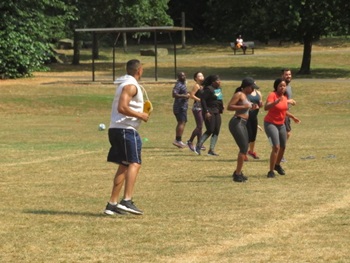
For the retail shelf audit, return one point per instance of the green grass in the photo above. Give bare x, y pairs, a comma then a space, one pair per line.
55, 180
329, 56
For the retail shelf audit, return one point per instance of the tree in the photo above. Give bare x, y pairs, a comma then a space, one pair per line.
120, 13
304, 21
194, 15
26, 29
301, 21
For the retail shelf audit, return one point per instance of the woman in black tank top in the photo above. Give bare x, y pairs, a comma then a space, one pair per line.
195, 94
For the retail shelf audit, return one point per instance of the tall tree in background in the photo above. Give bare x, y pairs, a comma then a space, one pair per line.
120, 13
26, 29
302, 21
194, 17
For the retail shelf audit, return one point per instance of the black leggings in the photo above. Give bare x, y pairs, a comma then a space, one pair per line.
252, 127
239, 132
213, 124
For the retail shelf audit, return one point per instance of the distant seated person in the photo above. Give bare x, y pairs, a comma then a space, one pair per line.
239, 43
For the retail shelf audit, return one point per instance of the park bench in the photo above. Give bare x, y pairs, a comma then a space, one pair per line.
248, 45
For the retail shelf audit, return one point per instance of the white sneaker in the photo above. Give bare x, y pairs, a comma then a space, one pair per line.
179, 144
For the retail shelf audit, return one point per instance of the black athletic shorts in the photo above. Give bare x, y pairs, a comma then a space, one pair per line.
287, 124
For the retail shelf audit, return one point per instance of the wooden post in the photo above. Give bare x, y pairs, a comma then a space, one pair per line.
76, 55
93, 55
114, 45
183, 31
95, 46
155, 56
175, 66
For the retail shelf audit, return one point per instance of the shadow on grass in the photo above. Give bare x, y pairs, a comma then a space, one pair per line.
225, 73
265, 73
70, 213
53, 212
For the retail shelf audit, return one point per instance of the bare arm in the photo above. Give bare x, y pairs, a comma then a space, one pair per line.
232, 105
268, 105
183, 96
176, 95
292, 102
295, 119
195, 88
261, 104
128, 92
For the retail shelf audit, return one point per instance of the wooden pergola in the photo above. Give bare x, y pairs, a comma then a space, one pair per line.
119, 30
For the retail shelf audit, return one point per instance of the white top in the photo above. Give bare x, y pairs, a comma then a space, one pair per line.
122, 121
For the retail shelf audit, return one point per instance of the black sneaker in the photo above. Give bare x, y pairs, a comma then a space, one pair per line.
212, 153
244, 177
198, 149
239, 178
279, 169
270, 174
128, 206
113, 210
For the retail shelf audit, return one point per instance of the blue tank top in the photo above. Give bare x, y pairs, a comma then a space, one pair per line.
256, 100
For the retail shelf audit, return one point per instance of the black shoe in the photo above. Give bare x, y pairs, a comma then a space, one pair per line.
270, 174
244, 177
198, 149
279, 169
239, 178
128, 206
113, 210
212, 153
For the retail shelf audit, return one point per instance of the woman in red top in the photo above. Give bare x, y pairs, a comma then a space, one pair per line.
277, 107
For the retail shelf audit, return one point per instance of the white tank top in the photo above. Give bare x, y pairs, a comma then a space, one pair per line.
122, 121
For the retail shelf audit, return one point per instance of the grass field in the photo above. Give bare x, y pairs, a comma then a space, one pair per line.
55, 181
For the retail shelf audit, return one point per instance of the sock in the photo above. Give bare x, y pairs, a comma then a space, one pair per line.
213, 140
203, 139
112, 203
178, 138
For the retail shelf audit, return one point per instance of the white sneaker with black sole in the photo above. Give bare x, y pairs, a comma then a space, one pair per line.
179, 144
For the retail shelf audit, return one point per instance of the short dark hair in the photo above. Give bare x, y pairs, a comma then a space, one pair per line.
180, 73
285, 69
132, 66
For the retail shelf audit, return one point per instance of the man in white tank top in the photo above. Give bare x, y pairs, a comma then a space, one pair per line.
127, 114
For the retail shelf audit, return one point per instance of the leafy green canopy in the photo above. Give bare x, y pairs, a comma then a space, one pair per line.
27, 27
122, 13
301, 21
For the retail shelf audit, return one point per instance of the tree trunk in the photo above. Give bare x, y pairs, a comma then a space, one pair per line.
125, 43
305, 64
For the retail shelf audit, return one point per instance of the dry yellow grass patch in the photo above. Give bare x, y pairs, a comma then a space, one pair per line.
55, 180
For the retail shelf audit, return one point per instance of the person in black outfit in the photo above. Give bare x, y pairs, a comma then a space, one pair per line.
212, 107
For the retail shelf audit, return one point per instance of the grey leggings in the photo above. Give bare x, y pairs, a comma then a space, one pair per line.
277, 134
238, 129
